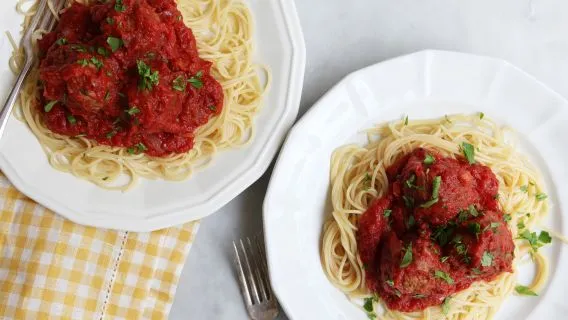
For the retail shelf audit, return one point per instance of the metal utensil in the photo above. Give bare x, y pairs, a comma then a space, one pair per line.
42, 20
251, 266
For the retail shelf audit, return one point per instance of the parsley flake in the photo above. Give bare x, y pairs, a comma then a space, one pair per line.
486, 259
446, 306
119, 6
195, 81
428, 160
115, 43
525, 291
72, 120
97, 63
541, 196
148, 79
179, 84
468, 152
50, 105
132, 111
444, 276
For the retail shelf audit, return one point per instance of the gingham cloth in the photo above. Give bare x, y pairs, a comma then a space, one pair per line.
51, 268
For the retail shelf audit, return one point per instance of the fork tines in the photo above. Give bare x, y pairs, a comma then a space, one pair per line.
252, 270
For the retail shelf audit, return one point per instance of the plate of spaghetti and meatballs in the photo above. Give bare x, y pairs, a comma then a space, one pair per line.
433, 204
144, 109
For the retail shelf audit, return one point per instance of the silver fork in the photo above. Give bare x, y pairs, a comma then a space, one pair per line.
42, 20
251, 266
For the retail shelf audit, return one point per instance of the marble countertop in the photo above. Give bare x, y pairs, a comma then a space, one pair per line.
343, 36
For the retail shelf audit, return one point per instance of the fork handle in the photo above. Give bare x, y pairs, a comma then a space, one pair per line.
11, 101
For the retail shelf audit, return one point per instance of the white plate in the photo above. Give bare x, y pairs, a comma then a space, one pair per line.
426, 84
157, 204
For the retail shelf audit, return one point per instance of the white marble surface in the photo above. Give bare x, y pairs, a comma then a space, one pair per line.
342, 36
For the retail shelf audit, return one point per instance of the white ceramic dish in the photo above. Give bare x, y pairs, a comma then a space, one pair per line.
157, 204
427, 84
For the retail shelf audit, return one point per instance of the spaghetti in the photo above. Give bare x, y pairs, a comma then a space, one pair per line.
224, 33
358, 176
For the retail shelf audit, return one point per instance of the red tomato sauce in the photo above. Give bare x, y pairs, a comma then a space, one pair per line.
437, 230
126, 73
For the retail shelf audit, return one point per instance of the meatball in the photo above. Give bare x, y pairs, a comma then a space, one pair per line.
424, 276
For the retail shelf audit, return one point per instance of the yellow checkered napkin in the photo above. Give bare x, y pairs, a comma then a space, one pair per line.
51, 268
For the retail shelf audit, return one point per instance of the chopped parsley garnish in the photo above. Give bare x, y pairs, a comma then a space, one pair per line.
408, 201
524, 188
213, 108
179, 84
50, 105
442, 234
429, 159
444, 276
132, 111
536, 241
71, 119
446, 305
107, 95
148, 79
78, 48
103, 51
493, 226
507, 217
473, 211
83, 62
115, 43
111, 134
387, 213
110, 20
462, 216
61, 41
140, 147
541, 196
475, 228
436, 187
444, 259
436, 183
461, 249
486, 259
429, 203
409, 182
525, 291
520, 224
368, 305
481, 115
419, 296
195, 81
411, 222
390, 283
468, 152
447, 118
119, 6
476, 271
544, 237
406, 120
97, 63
